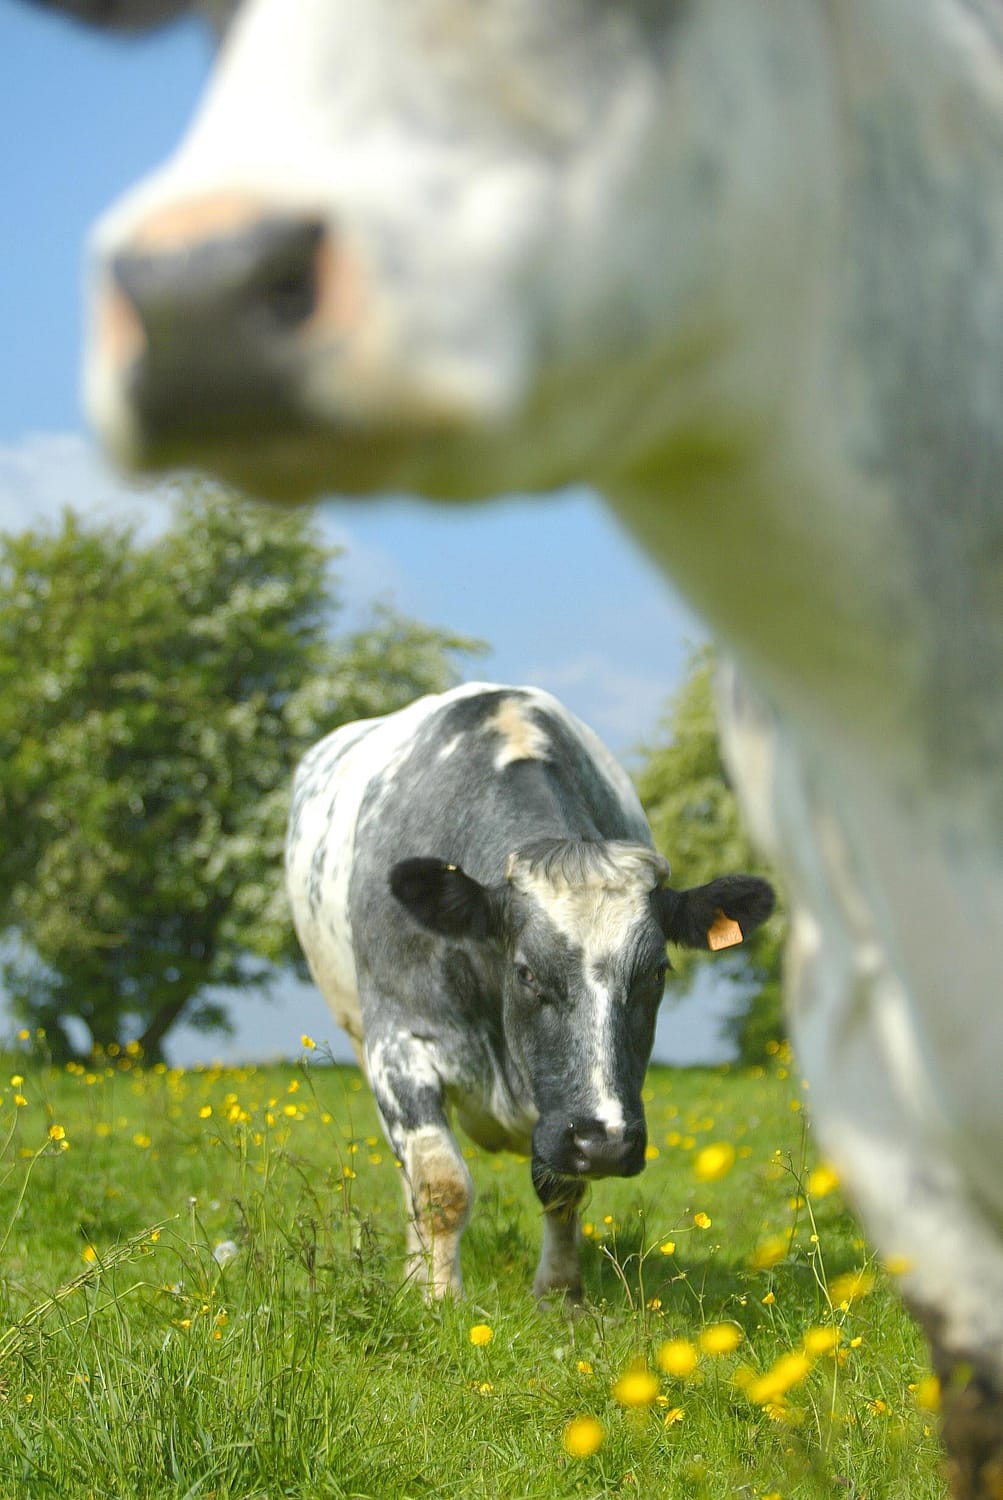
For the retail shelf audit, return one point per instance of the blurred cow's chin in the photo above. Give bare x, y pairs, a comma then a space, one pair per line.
294, 461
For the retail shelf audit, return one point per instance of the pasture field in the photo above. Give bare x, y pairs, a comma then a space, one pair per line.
201, 1297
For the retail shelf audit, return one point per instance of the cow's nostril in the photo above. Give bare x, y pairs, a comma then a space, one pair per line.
205, 322
291, 296
607, 1151
243, 286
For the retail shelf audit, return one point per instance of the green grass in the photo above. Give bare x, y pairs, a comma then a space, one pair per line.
134, 1365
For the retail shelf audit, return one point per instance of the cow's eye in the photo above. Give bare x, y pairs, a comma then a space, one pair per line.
526, 977
654, 979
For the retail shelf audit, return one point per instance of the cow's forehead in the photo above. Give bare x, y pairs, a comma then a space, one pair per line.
595, 895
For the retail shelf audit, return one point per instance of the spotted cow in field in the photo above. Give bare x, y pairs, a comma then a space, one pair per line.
474, 886
739, 263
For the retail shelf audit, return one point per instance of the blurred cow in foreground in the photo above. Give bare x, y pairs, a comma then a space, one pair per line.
741, 266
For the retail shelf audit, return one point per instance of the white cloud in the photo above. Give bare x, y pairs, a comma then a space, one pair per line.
48, 471
619, 703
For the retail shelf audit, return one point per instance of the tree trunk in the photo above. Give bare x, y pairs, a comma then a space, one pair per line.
160, 1024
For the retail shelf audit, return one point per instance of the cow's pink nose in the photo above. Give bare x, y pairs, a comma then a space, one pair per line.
206, 312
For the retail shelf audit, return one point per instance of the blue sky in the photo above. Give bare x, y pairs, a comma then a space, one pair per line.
565, 599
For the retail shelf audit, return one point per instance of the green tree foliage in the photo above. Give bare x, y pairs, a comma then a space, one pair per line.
154, 699
695, 819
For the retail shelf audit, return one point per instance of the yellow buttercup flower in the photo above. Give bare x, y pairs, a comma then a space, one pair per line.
677, 1357
636, 1387
770, 1252
714, 1161
702, 1220
851, 1285
926, 1393
822, 1340
720, 1338
823, 1180
786, 1372
583, 1436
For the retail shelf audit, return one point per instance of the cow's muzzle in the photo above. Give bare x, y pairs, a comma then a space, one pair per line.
588, 1148
205, 320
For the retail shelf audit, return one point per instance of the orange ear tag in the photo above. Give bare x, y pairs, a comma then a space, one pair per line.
724, 932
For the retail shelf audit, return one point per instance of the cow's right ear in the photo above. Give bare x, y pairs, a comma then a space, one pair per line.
445, 899
715, 915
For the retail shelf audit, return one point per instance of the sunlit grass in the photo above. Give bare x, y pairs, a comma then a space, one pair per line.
201, 1284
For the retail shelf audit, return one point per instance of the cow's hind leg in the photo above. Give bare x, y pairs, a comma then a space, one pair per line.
916, 1188
438, 1192
559, 1269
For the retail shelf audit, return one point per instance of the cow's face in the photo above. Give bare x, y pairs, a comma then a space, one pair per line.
583, 978
581, 929
445, 245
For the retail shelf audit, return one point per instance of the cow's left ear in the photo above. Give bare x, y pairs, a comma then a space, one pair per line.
445, 899
715, 915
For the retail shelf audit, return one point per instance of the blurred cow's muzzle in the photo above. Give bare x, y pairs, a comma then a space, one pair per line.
204, 317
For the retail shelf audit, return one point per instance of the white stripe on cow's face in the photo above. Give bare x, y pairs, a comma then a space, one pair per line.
607, 1107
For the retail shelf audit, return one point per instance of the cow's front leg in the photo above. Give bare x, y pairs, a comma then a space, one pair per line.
559, 1269
438, 1192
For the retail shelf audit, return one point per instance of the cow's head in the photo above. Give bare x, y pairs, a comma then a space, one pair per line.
582, 927
450, 246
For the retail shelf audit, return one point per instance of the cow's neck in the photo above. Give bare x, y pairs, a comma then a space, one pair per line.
838, 515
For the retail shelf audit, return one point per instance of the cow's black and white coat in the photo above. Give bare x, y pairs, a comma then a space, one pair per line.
474, 886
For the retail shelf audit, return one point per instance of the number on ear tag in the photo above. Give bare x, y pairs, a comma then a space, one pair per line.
724, 932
